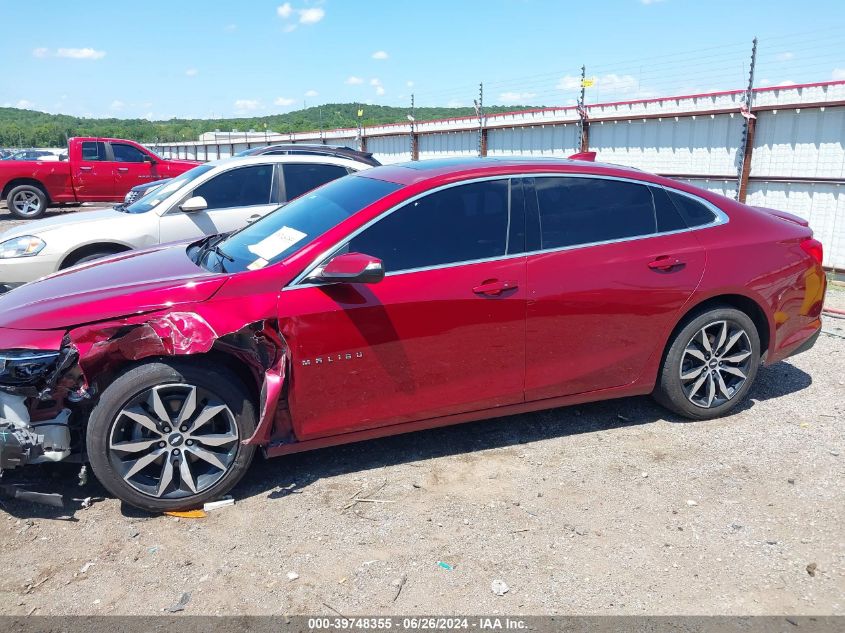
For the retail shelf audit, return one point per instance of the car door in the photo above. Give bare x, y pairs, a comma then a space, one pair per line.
93, 176
444, 331
232, 197
131, 167
614, 265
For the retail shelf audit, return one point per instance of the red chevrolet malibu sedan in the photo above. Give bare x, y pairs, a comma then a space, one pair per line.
400, 298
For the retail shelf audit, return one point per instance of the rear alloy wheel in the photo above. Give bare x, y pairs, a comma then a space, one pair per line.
168, 437
711, 364
27, 202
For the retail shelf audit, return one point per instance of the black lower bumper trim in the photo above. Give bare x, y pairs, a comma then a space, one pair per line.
806, 344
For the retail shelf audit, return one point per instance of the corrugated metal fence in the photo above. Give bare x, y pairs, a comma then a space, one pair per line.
797, 154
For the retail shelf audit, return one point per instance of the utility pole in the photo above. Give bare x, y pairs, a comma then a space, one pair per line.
748, 128
322, 138
412, 117
583, 126
479, 111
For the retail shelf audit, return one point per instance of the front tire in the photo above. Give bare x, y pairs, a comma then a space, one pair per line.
168, 435
27, 202
710, 365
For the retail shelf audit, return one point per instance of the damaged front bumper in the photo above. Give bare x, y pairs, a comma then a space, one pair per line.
34, 423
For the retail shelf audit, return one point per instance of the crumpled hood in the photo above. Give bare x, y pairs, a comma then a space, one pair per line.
127, 284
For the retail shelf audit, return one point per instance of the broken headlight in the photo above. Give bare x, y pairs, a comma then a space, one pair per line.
23, 366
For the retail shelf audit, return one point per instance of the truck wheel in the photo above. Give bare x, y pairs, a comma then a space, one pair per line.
27, 202
168, 435
710, 365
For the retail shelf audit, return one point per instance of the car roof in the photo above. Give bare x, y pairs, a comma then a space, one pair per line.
449, 169
341, 151
288, 158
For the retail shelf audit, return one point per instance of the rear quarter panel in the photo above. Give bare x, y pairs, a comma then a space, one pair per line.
53, 175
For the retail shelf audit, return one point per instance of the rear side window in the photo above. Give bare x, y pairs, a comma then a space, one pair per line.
124, 153
693, 212
458, 224
93, 150
668, 217
303, 177
241, 187
577, 211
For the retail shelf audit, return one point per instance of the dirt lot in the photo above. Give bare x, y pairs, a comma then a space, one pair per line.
610, 508
7, 220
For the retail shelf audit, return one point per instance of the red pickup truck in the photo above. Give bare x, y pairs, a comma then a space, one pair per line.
97, 170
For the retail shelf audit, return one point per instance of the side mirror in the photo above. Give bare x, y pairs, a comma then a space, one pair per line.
192, 205
351, 268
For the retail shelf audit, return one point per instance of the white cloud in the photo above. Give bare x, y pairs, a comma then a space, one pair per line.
117, 105
284, 101
40, 52
192, 72
380, 55
289, 28
379, 90
352, 80
410, 84
784, 57
516, 97
568, 82
246, 105
284, 10
610, 84
838, 74
311, 16
455, 103
312, 93
650, 1
80, 53
375, 81
25, 104
148, 116
785, 83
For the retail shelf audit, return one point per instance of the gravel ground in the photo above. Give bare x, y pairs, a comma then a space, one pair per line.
7, 220
610, 508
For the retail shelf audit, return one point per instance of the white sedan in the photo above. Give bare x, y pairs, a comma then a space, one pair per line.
216, 197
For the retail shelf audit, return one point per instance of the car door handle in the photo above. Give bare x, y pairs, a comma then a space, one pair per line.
122, 169
665, 263
494, 287
85, 168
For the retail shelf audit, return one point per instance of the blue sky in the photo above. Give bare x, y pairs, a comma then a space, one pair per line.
188, 58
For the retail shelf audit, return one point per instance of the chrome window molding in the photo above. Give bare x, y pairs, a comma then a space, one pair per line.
720, 218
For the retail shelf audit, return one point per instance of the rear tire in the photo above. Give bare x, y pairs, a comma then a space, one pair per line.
27, 202
710, 365
168, 435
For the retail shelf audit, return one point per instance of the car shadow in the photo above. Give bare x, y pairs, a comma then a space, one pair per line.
277, 478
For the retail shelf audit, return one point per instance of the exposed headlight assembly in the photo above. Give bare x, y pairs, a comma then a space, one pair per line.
24, 366
24, 246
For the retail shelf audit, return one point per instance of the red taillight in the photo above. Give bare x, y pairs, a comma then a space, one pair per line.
813, 248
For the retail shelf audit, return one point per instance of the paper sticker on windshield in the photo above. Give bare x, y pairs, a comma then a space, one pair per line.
277, 242
258, 263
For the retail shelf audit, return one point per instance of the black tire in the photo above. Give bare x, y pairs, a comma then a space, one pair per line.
108, 419
670, 389
27, 202
90, 257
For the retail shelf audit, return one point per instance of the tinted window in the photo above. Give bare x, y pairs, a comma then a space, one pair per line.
584, 210
93, 150
668, 218
242, 187
127, 153
694, 213
303, 177
458, 224
310, 215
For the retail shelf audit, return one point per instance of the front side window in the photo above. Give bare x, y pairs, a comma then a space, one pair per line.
124, 153
301, 178
576, 211
157, 195
241, 187
93, 150
458, 224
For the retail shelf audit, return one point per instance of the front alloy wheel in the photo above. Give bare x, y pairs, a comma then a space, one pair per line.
168, 435
173, 441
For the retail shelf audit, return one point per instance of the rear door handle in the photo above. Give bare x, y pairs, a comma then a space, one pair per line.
122, 169
494, 287
86, 168
665, 262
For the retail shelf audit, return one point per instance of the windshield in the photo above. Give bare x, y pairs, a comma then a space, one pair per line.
289, 228
154, 197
